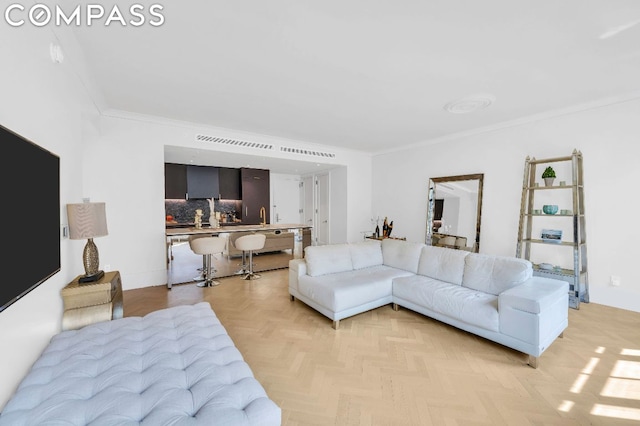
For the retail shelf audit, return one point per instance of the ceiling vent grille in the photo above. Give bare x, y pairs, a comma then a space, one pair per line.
308, 152
234, 142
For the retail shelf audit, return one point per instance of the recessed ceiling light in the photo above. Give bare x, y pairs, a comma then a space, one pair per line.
470, 103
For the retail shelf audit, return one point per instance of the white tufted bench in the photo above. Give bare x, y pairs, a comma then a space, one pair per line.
175, 366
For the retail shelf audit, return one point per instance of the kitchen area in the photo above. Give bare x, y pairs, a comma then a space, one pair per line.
225, 202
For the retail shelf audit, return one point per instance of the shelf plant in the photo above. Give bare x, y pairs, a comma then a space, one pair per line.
549, 176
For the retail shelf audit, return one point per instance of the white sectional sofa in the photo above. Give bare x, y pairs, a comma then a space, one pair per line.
494, 297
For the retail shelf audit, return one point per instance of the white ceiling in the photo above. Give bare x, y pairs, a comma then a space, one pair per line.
367, 75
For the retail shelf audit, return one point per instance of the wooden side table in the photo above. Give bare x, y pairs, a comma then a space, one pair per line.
87, 303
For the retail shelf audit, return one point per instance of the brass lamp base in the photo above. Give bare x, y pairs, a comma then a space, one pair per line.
91, 262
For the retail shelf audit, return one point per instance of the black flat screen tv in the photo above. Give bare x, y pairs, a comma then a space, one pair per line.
30, 216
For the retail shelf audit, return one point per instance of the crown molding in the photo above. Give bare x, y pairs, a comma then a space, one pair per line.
548, 115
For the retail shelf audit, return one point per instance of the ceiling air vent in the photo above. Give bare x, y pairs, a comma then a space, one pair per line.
234, 142
308, 152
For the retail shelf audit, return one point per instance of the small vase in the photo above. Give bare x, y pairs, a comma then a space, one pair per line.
548, 181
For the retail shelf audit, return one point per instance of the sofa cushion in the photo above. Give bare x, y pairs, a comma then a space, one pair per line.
442, 263
494, 274
328, 259
463, 304
366, 254
401, 254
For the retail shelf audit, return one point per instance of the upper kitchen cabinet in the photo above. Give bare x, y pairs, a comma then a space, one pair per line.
202, 182
255, 196
175, 181
229, 180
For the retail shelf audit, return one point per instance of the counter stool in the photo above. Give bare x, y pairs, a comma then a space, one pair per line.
207, 247
201, 269
249, 243
232, 243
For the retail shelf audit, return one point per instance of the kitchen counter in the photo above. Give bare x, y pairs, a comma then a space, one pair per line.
174, 232
170, 225
175, 235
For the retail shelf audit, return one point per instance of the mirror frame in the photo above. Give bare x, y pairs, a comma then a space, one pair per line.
431, 204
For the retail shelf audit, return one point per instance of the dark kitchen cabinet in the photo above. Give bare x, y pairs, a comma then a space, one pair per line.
229, 180
255, 195
202, 182
175, 181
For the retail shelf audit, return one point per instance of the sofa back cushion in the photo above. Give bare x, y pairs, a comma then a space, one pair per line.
401, 254
328, 259
443, 264
366, 254
494, 274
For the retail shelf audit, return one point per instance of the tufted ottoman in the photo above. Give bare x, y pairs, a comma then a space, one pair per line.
175, 366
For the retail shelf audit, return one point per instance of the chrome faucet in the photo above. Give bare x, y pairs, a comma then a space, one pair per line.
263, 216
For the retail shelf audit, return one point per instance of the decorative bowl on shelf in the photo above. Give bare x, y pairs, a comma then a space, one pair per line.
550, 209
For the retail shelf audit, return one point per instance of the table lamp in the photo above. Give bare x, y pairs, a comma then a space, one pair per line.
88, 220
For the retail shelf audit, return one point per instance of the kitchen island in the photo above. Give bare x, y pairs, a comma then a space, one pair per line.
289, 239
269, 227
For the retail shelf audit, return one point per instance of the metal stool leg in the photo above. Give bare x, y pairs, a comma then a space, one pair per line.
243, 266
251, 275
203, 273
209, 272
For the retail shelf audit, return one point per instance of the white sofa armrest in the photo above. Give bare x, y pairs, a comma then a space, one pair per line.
297, 268
535, 312
534, 295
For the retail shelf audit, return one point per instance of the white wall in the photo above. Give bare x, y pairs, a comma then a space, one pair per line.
339, 216
46, 103
608, 138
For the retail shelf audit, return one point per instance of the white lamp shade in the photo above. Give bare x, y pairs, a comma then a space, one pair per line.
87, 220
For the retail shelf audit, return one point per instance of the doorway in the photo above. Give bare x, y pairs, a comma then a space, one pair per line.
322, 190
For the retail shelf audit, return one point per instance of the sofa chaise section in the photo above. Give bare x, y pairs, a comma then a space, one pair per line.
342, 280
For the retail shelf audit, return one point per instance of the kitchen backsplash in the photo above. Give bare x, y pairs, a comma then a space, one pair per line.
184, 211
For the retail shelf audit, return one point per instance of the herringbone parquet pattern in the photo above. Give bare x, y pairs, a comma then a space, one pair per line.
401, 368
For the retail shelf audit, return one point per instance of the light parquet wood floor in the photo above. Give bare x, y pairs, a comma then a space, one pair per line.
400, 368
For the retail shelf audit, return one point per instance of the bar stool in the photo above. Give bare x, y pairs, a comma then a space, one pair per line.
207, 247
232, 244
249, 243
202, 268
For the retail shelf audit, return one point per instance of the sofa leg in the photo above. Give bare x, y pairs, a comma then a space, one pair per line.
395, 307
336, 324
561, 335
533, 361
292, 297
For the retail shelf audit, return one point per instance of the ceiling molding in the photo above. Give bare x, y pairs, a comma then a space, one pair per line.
549, 115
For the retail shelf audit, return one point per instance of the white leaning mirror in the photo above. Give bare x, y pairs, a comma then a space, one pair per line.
454, 211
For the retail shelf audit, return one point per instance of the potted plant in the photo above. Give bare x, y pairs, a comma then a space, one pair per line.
548, 175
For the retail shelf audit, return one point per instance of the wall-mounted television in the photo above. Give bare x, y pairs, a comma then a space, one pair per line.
30, 215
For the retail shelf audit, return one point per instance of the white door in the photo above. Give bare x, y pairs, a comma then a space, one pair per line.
322, 210
308, 212
286, 199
